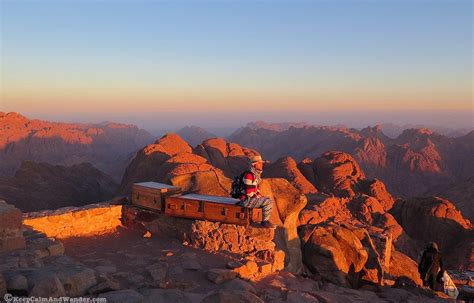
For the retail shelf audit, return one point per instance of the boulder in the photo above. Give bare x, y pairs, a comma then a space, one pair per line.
170, 144
432, 219
231, 158
366, 208
370, 211
46, 285
325, 208
76, 278
402, 266
378, 190
146, 166
332, 251
210, 182
379, 248
287, 168
288, 202
247, 271
338, 173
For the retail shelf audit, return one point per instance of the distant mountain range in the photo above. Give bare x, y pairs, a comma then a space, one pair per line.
108, 146
418, 161
410, 164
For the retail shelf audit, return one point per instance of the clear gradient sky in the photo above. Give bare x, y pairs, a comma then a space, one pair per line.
158, 63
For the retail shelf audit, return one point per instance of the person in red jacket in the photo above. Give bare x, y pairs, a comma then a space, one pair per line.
251, 196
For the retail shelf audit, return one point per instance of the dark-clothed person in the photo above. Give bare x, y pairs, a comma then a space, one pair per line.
431, 266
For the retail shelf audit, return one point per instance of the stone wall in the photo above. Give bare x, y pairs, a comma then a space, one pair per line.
11, 236
211, 236
256, 247
89, 220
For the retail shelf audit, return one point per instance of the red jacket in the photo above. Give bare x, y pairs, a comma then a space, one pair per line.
250, 188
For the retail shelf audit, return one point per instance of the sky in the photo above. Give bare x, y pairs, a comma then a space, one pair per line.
163, 64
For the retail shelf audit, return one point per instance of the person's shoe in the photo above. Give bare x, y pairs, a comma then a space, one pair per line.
268, 224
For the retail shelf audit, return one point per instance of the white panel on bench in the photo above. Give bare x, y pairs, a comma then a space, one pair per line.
215, 199
155, 185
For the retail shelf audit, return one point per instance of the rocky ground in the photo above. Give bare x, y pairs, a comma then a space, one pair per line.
128, 267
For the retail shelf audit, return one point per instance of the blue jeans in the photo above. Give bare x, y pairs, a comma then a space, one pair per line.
265, 203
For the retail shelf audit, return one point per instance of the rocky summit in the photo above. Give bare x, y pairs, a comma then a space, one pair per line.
341, 235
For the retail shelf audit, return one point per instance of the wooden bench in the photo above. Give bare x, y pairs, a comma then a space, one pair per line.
163, 198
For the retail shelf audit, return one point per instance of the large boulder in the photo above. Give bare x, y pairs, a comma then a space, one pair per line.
338, 173
379, 249
170, 144
146, 166
287, 168
378, 190
47, 285
324, 208
431, 219
231, 158
369, 210
403, 266
435, 219
211, 182
288, 202
332, 251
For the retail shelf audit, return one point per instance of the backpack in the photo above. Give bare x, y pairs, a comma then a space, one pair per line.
238, 186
